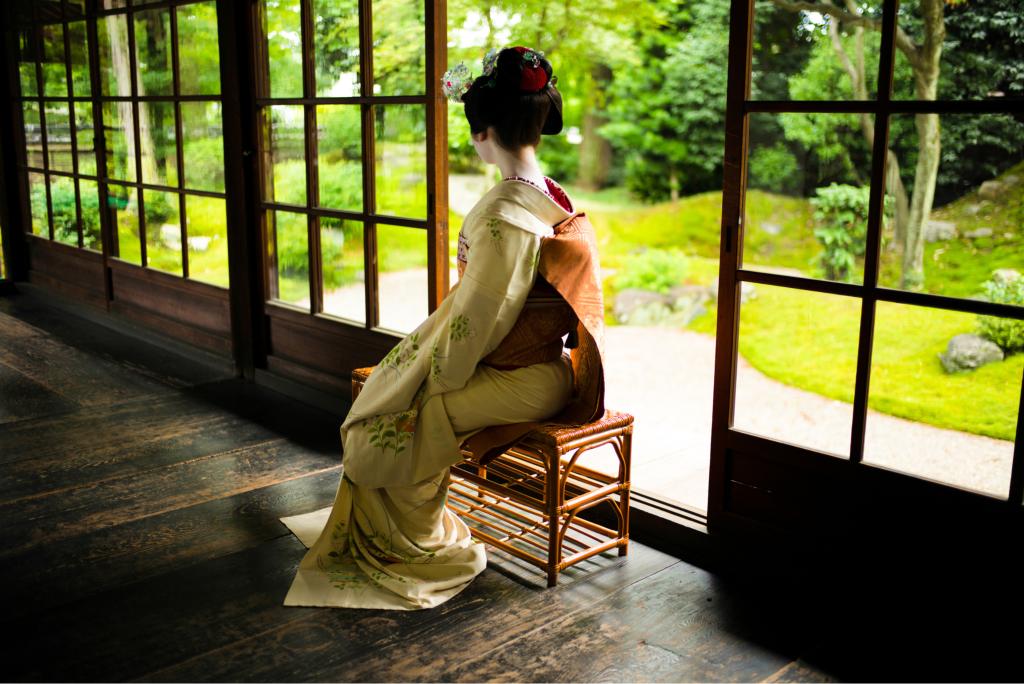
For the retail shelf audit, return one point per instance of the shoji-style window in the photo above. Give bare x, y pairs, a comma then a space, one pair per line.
348, 161
902, 257
162, 165
55, 96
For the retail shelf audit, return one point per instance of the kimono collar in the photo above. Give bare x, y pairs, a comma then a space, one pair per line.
530, 199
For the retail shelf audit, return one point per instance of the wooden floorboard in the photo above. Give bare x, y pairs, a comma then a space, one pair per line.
140, 497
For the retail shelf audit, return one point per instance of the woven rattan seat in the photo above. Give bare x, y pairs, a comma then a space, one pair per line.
509, 502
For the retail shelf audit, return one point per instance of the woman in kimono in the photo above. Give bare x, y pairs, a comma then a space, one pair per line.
389, 541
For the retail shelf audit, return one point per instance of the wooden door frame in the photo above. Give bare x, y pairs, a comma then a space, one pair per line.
764, 485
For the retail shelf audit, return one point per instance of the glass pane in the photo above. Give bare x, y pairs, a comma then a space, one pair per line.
337, 47
284, 47
341, 251
207, 239
55, 75
795, 54
288, 257
75, 9
89, 194
65, 213
58, 136
124, 213
113, 4
155, 73
796, 375
978, 57
115, 68
957, 203
808, 178
37, 198
399, 47
80, 75
945, 392
285, 168
33, 135
85, 138
401, 153
159, 153
163, 231
198, 53
27, 56
203, 145
402, 277
339, 136
119, 134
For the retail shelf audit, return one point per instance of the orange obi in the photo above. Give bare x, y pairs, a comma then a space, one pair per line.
536, 336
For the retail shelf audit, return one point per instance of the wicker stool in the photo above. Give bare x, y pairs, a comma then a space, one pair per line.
527, 501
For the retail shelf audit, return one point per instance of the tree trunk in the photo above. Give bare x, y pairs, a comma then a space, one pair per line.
926, 81
595, 150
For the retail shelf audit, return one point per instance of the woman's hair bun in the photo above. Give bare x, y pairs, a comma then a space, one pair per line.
515, 74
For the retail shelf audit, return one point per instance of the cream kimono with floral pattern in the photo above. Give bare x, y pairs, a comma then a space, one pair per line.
388, 541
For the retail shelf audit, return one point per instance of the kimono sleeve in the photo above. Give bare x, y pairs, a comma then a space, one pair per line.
501, 265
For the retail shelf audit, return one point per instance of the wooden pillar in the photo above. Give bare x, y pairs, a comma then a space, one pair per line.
14, 216
236, 29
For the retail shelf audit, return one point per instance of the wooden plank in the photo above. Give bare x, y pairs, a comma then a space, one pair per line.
53, 518
156, 622
104, 563
22, 397
682, 624
77, 376
347, 644
58, 452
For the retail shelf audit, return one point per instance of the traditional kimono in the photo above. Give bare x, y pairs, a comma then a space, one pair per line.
487, 363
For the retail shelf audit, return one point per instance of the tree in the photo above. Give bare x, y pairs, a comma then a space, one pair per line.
923, 55
669, 103
586, 43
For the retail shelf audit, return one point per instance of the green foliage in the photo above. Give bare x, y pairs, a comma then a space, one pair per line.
666, 112
559, 158
653, 269
1008, 333
204, 163
775, 168
842, 215
341, 135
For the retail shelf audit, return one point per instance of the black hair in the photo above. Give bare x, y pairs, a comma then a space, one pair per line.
518, 117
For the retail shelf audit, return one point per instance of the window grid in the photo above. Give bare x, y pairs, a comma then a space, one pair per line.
96, 99
870, 293
311, 209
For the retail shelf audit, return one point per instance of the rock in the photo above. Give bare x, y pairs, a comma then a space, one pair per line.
991, 190
747, 291
968, 351
771, 228
979, 233
628, 301
651, 313
939, 230
199, 243
1005, 275
170, 235
972, 209
1011, 179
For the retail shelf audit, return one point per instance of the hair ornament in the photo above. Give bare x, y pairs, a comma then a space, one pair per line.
456, 81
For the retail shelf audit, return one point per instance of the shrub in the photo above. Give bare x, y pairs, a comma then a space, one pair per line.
842, 215
775, 169
654, 269
1008, 333
559, 158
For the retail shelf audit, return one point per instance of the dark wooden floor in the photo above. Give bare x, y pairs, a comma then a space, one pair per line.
140, 493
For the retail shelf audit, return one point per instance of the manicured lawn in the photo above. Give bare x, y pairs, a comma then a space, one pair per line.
809, 340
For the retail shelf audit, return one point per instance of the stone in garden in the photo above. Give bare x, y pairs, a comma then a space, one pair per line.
969, 351
991, 190
939, 230
1011, 179
651, 313
170, 235
747, 291
628, 301
771, 228
972, 209
979, 233
688, 302
1005, 275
